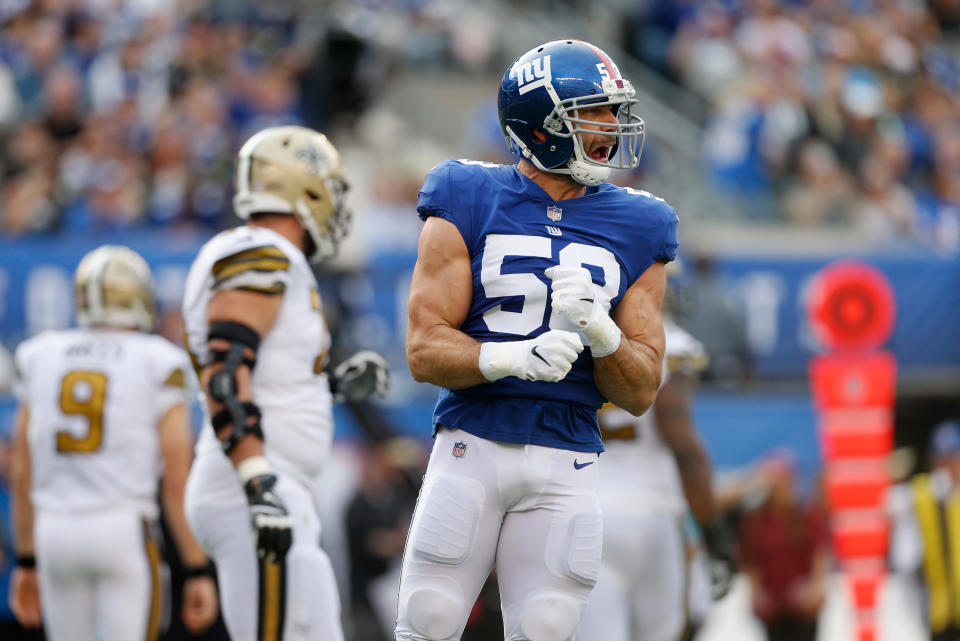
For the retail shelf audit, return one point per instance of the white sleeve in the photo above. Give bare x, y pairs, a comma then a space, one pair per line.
177, 381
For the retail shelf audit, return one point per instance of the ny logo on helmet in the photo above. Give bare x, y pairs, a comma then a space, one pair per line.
531, 74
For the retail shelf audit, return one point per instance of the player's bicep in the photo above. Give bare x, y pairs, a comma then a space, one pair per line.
442, 284
256, 310
638, 315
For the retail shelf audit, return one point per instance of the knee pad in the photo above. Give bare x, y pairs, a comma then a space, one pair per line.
436, 612
445, 530
550, 616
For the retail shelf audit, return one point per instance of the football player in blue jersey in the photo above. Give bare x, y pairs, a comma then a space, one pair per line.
535, 297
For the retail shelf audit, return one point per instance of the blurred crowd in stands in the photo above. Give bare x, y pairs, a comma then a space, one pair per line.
117, 114
121, 114
823, 112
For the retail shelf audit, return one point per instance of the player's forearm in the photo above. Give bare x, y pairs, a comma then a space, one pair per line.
629, 377
250, 444
190, 551
22, 517
696, 476
20, 486
238, 319
176, 445
444, 356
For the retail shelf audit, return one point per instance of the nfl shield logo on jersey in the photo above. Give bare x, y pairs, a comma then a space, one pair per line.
459, 449
554, 213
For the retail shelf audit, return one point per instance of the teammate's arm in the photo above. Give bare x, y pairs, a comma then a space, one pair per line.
441, 292
24, 589
247, 316
674, 420
199, 590
630, 376
673, 411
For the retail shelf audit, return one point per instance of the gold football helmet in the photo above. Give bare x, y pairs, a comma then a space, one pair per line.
295, 170
114, 288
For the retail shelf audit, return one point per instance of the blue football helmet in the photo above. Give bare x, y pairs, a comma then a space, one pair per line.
545, 89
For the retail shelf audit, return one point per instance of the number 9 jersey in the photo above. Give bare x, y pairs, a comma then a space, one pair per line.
95, 398
513, 231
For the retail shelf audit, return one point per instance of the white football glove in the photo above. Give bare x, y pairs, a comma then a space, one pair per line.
360, 377
576, 298
548, 357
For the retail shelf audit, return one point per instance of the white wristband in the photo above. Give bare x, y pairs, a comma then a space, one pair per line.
604, 336
253, 466
496, 360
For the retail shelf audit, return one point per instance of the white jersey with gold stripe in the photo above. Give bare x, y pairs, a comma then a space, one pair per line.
95, 398
638, 469
289, 384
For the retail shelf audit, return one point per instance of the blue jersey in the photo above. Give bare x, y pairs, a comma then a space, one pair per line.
514, 231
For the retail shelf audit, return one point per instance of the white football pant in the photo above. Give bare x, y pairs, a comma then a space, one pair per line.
99, 576
532, 510
641, 593
261, 601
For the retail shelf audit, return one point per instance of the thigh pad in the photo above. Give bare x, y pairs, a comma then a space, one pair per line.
446, 528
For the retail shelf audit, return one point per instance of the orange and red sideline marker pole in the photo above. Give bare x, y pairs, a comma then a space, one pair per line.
851, 311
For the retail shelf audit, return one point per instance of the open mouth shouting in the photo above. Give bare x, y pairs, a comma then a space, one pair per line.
601, 153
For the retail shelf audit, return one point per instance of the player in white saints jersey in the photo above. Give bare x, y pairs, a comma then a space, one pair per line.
653, 470
290, 386
255, 329
103, 416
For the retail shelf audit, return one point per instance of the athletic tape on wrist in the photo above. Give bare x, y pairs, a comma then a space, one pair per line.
253, 466
604, 336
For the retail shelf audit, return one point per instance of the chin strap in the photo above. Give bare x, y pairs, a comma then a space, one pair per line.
586, 173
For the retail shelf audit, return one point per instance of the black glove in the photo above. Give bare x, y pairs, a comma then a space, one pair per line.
272, 524
360, 377
718, 541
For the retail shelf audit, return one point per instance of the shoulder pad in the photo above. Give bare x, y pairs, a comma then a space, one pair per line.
251, 259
